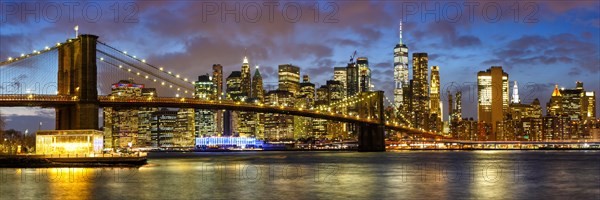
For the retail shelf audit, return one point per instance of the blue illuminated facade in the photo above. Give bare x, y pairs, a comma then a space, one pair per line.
242, 142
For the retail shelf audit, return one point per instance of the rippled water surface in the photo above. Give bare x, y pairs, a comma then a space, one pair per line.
323, 175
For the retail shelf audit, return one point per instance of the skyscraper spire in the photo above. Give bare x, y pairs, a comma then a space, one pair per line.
556, 92
245, 57
246, 80
515, 95
400, 33
400, 71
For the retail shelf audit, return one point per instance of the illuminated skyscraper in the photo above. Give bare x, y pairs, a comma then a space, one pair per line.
319, 126
455, 113
249, 123
184, 130
234, 86
340, 74
492, 92
400, 70
515, 94
434, 96
205, 119
125, 126
279, 126
336, 130
173, 128
246, 82
335, 91
233, 92
364, 74
243, 122
352, 86
217, 79
289, 78
588, 106
458, 106
524, 121
163, 128
307, 92
554, 106
450, 105
305, 100
258, 92
571, 101
420, 91
145, 119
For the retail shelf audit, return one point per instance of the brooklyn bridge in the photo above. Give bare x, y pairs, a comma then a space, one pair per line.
86, 64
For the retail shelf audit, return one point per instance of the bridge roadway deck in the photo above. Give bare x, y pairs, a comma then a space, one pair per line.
52, 101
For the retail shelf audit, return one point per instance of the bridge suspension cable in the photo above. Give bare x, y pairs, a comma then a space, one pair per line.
34, 53
140, 68
345, 102
34, 73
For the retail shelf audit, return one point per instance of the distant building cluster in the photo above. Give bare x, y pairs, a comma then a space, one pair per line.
164, 128
570, 113
417, 103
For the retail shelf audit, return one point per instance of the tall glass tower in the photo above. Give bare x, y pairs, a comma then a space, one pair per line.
400, 70
246, 80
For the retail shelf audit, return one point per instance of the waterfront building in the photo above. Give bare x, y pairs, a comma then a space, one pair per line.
163, 128
205, 120
279, 126
184, 131
124, 127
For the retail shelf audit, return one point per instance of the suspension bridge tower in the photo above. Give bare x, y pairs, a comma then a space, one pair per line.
371, 136
77, 79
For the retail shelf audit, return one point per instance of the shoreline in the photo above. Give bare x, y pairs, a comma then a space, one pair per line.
29, 161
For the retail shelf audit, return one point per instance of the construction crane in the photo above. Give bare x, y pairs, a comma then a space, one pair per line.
352, 57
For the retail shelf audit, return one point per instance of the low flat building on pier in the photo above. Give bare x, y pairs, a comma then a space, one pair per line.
69, 142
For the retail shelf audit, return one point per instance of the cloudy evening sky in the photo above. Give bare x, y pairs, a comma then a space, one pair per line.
539, 44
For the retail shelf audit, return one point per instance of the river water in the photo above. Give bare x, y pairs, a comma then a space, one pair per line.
323, 175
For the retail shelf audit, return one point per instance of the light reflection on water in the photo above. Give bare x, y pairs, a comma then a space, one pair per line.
322, 175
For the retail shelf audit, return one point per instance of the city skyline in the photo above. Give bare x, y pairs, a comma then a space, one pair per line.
381, 57
279, 99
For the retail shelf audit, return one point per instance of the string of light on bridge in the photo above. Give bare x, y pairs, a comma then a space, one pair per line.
346, 102
161, 69
23, 56
165, 83
146, 76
